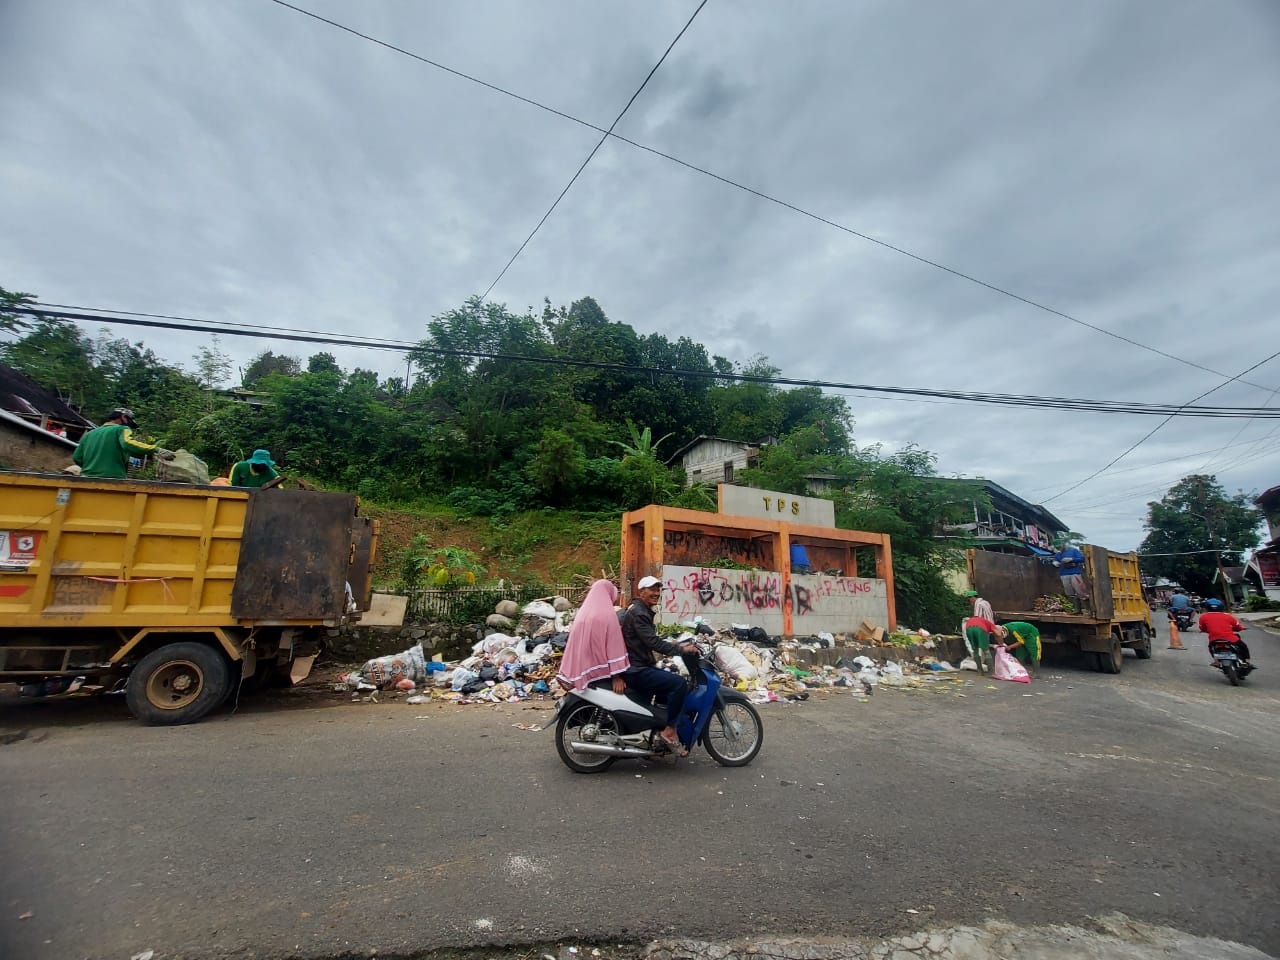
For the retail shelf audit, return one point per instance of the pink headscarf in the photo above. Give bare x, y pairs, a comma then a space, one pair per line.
595, 649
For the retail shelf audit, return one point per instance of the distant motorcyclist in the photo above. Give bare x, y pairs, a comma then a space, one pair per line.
1179, 603
1222, 626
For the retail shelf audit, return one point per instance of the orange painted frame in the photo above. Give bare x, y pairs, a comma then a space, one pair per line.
644, 536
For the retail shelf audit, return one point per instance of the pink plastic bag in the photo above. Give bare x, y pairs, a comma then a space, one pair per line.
1008, 668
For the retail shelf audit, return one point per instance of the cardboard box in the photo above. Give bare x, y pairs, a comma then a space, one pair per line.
868, 632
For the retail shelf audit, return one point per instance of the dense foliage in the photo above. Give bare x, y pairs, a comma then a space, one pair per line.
507, 413
1196, 526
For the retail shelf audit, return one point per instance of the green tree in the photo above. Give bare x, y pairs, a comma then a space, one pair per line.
556, 467
266, 364
10, 301
1195, 527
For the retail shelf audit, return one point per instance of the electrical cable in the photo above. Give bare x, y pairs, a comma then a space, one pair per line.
1011, 400
1148, 436
759, 193
600, 143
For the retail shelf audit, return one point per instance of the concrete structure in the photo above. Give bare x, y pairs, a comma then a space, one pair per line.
1263, 568
28, 447
736, 569
24, 398
1011, 524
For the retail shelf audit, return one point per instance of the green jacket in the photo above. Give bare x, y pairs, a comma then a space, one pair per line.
242, 475
105, 451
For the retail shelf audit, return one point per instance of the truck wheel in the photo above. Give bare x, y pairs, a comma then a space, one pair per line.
1143, 647
178, 683
1113, 659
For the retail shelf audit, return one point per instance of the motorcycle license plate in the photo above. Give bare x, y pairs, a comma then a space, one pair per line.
1224, 656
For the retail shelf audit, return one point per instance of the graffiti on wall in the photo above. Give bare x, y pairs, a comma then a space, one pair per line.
707, 591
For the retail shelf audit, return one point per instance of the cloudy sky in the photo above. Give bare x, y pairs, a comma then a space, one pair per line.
1116, 161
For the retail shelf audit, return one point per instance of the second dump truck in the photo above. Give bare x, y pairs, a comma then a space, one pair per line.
173, 593
1114, 616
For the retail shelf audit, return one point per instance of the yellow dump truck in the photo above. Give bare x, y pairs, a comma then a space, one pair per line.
174, 593
1115, 615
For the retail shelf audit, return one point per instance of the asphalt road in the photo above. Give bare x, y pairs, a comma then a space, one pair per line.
324, 829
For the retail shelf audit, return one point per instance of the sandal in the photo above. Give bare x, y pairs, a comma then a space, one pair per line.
675, 746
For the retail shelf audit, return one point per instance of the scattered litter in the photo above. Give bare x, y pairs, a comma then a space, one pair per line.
144, 955
26, 916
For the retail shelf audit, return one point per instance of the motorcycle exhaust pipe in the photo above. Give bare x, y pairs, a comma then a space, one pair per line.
603, 748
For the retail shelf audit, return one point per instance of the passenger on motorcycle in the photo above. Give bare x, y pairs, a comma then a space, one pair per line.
643, 644
1220, 625
595, 649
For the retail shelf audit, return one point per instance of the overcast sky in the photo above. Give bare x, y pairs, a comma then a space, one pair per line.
1116, 161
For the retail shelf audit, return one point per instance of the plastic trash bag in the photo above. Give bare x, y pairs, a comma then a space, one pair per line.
384, 672
185, 467
968, 663
540, 608
734, 663
1008, 668
892, 668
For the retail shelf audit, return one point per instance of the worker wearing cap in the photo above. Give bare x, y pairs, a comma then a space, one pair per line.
643, 643
1024, 643
105, 450
258, 471
980, 607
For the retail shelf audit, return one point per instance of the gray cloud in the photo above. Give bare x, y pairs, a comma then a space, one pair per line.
240, 162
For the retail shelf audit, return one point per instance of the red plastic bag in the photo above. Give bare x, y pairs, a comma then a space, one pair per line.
1008, 668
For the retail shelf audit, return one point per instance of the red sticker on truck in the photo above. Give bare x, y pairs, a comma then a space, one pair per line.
18, 548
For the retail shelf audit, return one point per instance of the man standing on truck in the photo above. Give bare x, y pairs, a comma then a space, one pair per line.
105, 450
1070, 563
258, 471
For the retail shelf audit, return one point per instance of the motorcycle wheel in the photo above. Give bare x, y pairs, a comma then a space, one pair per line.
734, 734
581, 722
1230, 670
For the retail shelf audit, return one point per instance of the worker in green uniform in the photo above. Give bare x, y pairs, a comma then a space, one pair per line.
1024, 643
258, 471
105, 450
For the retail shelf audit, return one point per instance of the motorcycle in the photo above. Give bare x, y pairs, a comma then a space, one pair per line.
1226, 659
595, 726
1185, 619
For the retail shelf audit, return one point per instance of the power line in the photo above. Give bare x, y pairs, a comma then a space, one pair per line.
1152, 433
374, 343
603, 137
760, 194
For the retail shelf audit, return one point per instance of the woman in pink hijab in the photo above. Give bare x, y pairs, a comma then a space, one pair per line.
595, 648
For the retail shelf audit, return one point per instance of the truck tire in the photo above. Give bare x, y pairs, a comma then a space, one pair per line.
1143, 647
178, 683
1113, 659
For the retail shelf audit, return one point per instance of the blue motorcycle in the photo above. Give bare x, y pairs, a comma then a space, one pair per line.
595, 726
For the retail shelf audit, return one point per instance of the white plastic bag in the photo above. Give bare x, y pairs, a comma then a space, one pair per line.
968, 663
1007, 668
540, 608
734, 663
892, 668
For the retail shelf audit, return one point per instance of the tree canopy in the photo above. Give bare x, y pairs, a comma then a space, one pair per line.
1195, 526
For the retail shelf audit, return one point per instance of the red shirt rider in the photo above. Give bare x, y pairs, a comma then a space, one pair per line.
1220, 625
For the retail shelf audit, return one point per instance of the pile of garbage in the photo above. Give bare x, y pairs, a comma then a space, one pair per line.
1054, 603
520, 658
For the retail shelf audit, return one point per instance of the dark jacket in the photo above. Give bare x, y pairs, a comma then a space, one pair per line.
641, 637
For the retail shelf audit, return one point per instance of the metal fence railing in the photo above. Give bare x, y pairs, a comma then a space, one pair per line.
474, 604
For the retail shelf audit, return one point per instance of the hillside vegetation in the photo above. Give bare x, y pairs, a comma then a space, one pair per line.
516, 439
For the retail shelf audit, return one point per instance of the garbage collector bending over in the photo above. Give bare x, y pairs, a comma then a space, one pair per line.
978, 632
1023, 642
258, 471
643, 643
105, 450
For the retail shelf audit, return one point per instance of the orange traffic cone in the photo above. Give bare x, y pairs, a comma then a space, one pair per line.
1175, 638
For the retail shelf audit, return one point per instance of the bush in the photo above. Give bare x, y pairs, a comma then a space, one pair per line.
1257, 604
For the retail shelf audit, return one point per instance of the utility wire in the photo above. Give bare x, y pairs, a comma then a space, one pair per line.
759, 193
600, 143
1003, 399
1152, 433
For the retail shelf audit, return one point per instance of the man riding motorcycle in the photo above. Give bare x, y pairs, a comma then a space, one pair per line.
1222, 626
